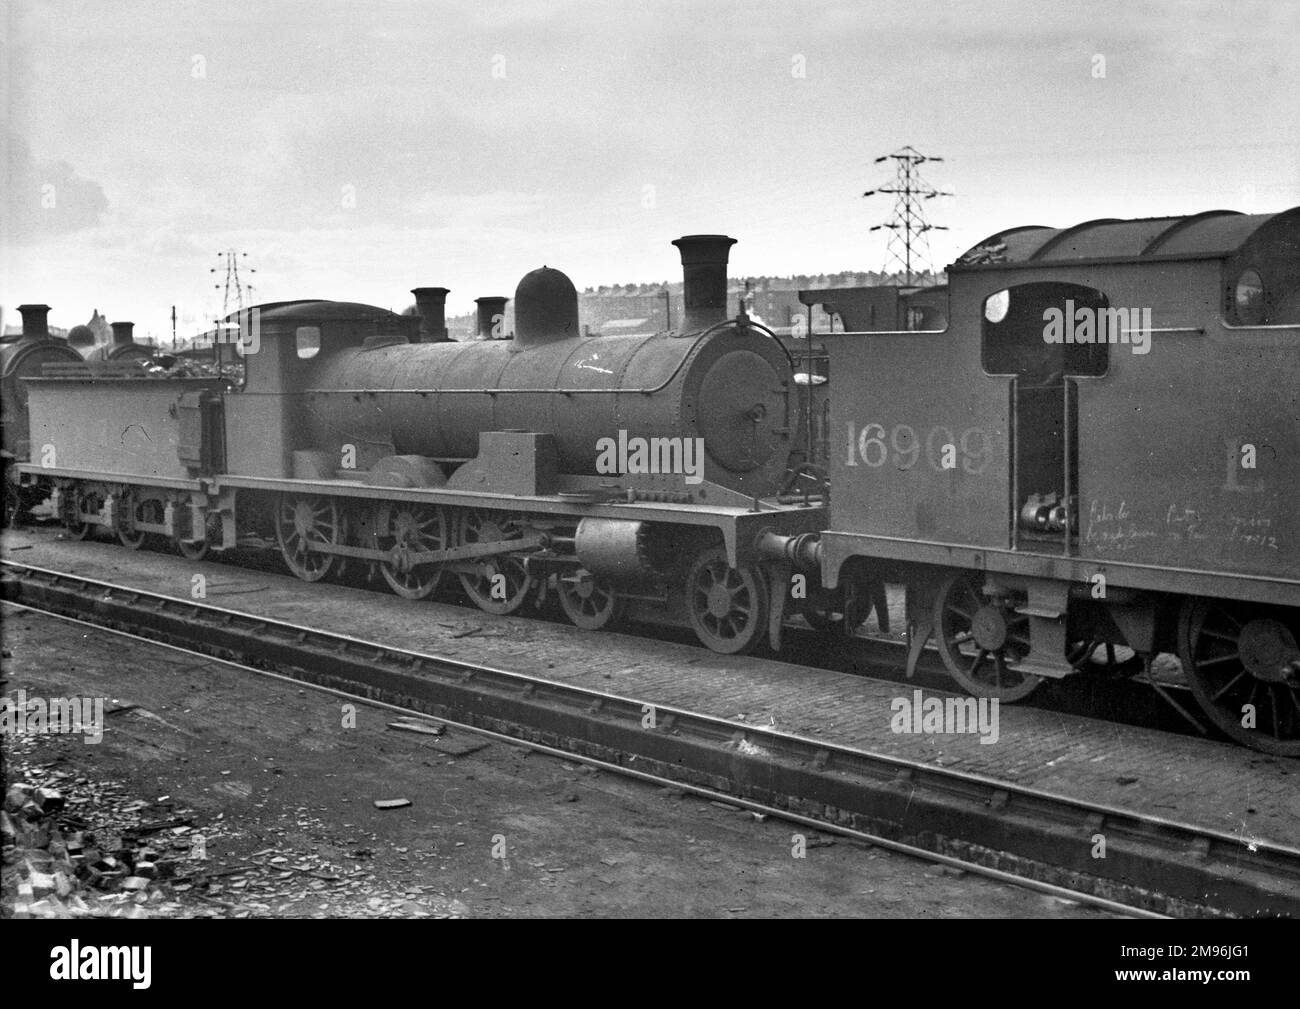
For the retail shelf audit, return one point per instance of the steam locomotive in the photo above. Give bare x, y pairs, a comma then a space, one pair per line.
1044, 495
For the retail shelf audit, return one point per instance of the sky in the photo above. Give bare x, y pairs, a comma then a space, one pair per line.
355, 150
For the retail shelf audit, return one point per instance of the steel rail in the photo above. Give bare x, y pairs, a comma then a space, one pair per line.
1152, 864
627, 772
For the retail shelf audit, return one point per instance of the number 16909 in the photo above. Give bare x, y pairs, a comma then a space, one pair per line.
873, 446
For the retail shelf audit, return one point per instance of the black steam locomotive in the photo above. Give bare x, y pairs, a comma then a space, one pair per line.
1089, 441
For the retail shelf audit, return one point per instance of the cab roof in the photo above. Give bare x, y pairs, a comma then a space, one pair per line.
1215, 234
319, 310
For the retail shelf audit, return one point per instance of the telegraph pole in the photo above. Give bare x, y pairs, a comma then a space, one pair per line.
907, 226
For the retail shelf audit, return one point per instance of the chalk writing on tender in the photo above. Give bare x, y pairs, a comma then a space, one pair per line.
1112, 527
1252, 531
1184, 524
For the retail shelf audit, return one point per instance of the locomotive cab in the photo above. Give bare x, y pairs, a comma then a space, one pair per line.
281, 345
1018, 342
1107, 455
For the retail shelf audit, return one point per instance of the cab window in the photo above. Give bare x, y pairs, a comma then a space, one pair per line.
1042, 332
308, 341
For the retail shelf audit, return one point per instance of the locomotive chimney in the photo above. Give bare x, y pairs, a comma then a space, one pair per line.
546, 309
36, 324
123, 333
488, 310
704, 279
431, 304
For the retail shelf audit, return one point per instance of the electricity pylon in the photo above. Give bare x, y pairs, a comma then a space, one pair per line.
907, 243
235, 287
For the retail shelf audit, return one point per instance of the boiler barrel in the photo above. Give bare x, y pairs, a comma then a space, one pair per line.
730, 387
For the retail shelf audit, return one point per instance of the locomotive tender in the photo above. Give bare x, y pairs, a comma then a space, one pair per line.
1044, 494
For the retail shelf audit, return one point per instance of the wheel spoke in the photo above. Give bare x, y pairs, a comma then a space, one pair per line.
1228, 686
1220, 611
1218, 660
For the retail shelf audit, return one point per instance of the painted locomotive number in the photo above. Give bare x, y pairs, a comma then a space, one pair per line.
874, 447
975, 460
907, 448
871, 446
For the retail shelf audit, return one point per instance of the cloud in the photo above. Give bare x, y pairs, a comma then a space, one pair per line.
43, 199
356, 149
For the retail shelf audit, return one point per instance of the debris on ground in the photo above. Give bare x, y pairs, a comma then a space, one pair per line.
74, 847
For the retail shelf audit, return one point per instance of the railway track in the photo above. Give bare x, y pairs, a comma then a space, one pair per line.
1152, 866
1159, 703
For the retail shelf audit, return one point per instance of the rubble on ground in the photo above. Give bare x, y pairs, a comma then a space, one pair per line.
77, 848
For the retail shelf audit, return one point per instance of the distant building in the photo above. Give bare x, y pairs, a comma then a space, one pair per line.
100, 327
773, 301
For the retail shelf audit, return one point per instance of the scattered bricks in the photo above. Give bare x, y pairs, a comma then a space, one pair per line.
25, 893
391, 803
36, 835
105, 874
50, 800
8, 833
411, 725
62, 884
31, 811
148, 870
135, 883
174, 824
42, 883
17, 796
165, 869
